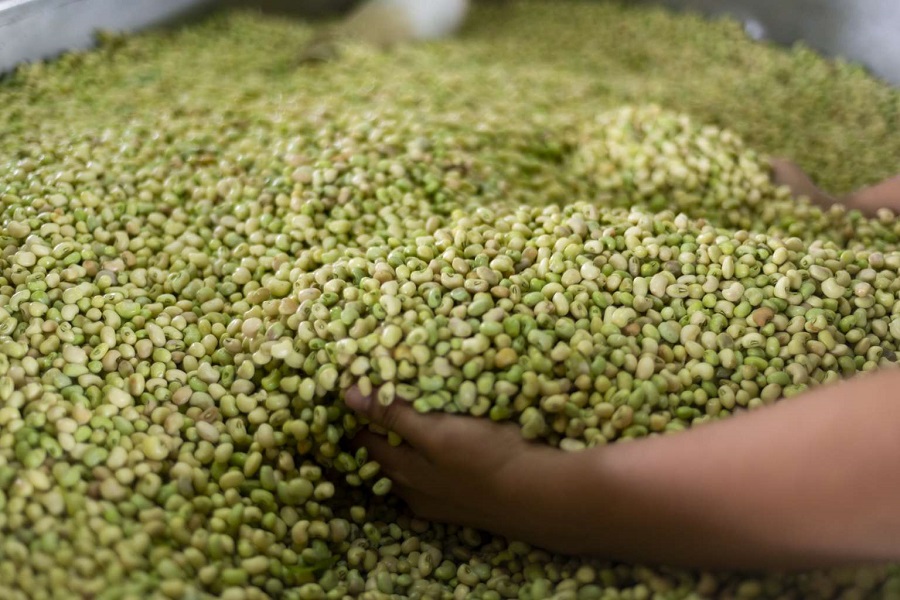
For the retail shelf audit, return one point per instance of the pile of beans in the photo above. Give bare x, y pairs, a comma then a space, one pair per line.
202, 246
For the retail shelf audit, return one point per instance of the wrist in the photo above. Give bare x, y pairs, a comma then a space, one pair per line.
871, 200
541, 498
572, 501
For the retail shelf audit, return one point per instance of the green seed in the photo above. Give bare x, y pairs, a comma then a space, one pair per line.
190, 285
154, 449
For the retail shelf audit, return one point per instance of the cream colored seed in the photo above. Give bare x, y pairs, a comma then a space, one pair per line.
202, 280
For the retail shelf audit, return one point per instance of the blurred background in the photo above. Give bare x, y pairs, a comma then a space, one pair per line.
865, 31
312, 9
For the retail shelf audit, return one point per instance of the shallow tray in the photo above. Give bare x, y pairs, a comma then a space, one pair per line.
38, 29
865, 31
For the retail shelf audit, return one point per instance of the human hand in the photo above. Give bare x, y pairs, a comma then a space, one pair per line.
472, 471
785, 172
869, 201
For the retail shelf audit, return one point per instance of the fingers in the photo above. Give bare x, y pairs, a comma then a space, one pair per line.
403, 464
399, 417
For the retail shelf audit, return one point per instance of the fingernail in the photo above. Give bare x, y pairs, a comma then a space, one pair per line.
356, 401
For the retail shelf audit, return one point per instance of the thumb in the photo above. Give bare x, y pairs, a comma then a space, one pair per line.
399, 416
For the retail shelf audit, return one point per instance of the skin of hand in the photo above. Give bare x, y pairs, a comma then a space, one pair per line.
807, 483
867, 200
463, 470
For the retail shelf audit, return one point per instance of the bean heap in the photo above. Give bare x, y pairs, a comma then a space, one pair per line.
195, 265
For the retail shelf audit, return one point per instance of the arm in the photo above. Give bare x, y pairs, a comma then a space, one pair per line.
810, 482
884, 195
868, 200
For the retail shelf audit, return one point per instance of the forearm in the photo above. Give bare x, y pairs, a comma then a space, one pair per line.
870, 200
810, 482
